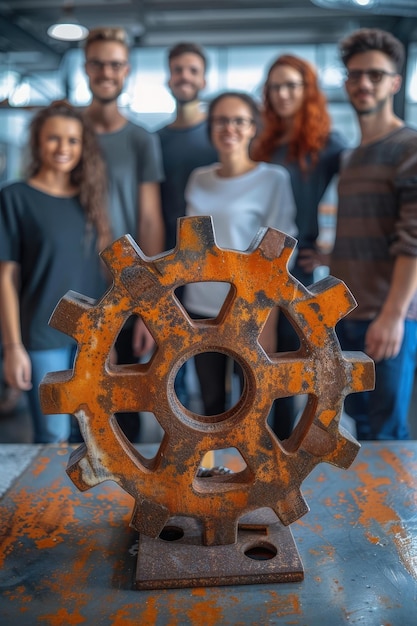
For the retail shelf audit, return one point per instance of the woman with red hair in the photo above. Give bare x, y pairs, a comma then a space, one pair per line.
297, 135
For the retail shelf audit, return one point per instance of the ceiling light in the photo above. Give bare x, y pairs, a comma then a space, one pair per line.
67, 28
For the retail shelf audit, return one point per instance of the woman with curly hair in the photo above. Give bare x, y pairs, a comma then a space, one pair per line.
52, 226
297, 135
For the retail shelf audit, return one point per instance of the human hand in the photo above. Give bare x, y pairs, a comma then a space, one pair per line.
384, 337
17, 368
308, 259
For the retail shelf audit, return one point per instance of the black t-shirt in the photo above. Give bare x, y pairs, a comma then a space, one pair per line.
48, 238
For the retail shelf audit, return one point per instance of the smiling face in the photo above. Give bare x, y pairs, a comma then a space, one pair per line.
60, 144
106, 67
186, 77
285, 90
232, 126
368, 97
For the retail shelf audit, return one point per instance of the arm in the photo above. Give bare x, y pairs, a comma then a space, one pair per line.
16, 362
385, 334
151, 238
151, 235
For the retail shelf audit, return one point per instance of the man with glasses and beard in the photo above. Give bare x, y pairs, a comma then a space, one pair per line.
375, 251
134, 166
185, 145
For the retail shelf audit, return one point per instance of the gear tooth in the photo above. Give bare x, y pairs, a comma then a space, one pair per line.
292, 507
274, 243
345, 451
149, 518
52, 392
334, 298
68, 312
362, 371
327, 302
195, 233
120, 254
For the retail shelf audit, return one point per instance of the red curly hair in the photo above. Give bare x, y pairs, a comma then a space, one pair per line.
311, 123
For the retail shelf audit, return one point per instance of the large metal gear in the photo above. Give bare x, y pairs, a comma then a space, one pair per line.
168, 484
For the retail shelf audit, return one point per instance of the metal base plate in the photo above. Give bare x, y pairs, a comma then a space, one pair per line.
265, 552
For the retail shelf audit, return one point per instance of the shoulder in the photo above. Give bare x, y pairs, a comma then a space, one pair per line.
15, 189
408, 132
204, 172
399, 146
272, 171
203, 177
137, 131
336, 141
164, 131
406, 136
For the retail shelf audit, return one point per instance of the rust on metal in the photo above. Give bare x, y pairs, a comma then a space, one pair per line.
67, 558
168, 484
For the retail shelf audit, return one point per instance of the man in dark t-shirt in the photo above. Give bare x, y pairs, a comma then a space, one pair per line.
185, 146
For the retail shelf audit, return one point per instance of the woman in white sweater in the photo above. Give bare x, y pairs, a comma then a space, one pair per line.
242, 196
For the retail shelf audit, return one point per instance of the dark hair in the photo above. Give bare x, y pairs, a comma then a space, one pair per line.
366, 39
244, 97
89, 175
311, 123
107, 33
187, 47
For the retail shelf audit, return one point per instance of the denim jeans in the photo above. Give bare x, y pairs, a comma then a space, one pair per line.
48, 428
382, 413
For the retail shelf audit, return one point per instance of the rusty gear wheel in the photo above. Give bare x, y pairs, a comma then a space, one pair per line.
168, 484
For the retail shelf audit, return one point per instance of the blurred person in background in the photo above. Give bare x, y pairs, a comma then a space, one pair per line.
185, 145
134, 166
52, 227
241, 196
297, 134
375, 250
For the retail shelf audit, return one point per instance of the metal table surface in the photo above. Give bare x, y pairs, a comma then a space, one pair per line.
69, 558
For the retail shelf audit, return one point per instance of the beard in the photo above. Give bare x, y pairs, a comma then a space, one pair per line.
378, 106
106, 99
180, 99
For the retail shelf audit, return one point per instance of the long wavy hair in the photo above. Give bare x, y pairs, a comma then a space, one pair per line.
89, 175
311, 125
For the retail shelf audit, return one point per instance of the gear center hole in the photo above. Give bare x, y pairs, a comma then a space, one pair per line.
210, 384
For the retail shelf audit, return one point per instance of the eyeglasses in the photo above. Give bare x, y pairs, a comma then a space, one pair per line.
96, 66
291, 87
375, 76
238, 123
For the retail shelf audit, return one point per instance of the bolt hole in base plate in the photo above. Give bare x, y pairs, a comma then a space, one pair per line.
265, 552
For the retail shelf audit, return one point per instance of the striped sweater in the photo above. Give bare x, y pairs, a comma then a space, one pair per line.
377, 218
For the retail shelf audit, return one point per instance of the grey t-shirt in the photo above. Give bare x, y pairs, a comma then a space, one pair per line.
133, 157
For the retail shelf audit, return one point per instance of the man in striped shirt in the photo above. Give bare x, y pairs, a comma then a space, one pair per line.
375, 250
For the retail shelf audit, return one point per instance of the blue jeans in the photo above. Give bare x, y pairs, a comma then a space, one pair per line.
382, 413
48, 428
